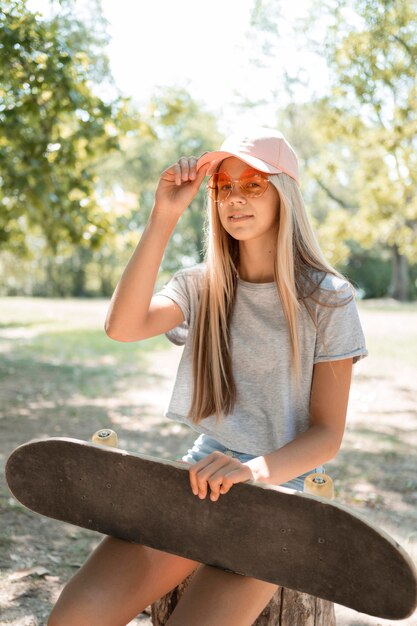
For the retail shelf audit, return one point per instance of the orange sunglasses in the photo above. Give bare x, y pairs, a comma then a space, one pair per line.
251, 185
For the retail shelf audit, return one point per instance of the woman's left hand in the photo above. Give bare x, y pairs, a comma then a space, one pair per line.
219, 472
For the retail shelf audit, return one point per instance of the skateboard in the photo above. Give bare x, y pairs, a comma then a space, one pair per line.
293, 539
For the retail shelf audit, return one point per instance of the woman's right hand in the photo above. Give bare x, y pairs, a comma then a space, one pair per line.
178, 185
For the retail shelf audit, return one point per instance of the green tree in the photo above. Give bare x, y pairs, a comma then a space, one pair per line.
54, 127
171, 125
358, 143
371, 49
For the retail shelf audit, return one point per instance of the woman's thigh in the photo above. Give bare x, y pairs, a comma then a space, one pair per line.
215, 597
116, 583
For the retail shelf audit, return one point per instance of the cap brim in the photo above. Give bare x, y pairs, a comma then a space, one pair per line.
215, 158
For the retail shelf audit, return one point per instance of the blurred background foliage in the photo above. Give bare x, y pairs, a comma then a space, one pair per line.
78, 171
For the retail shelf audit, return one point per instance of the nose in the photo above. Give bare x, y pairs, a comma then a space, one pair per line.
236, 194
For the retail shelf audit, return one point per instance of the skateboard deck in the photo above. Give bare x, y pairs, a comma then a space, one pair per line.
296, 540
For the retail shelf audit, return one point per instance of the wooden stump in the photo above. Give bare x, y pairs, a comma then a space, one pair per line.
286, 608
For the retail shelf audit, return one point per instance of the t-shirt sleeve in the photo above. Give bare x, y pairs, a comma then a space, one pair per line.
339, 331
176, 290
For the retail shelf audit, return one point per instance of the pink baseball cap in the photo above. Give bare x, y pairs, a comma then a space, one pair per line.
264, 149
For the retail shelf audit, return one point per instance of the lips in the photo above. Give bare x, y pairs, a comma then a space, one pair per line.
239, 217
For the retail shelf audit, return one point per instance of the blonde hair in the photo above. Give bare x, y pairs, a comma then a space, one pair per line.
297, 253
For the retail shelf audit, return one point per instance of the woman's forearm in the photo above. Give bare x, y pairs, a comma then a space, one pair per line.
130, 302
317, 445
129, 307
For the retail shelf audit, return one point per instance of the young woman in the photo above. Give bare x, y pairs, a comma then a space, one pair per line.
270, 333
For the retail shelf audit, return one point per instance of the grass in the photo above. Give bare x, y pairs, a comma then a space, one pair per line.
62, 344
391, 333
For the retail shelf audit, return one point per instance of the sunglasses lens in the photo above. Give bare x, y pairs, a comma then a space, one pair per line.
220, 185
253, 186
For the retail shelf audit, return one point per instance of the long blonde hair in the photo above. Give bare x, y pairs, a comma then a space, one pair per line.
297, 252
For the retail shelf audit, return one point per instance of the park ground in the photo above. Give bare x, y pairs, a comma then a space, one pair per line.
61, 376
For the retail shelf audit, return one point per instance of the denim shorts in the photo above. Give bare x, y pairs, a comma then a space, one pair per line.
205, 445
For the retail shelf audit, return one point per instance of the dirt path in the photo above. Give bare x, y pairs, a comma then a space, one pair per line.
64, 392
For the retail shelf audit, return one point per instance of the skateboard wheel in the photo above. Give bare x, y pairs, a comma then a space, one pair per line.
105, 437
319, 485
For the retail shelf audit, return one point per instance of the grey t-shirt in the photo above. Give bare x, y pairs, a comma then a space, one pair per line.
270, 410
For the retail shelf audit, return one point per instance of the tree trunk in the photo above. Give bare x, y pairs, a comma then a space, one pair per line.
286, 608
79, 273
400, 280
